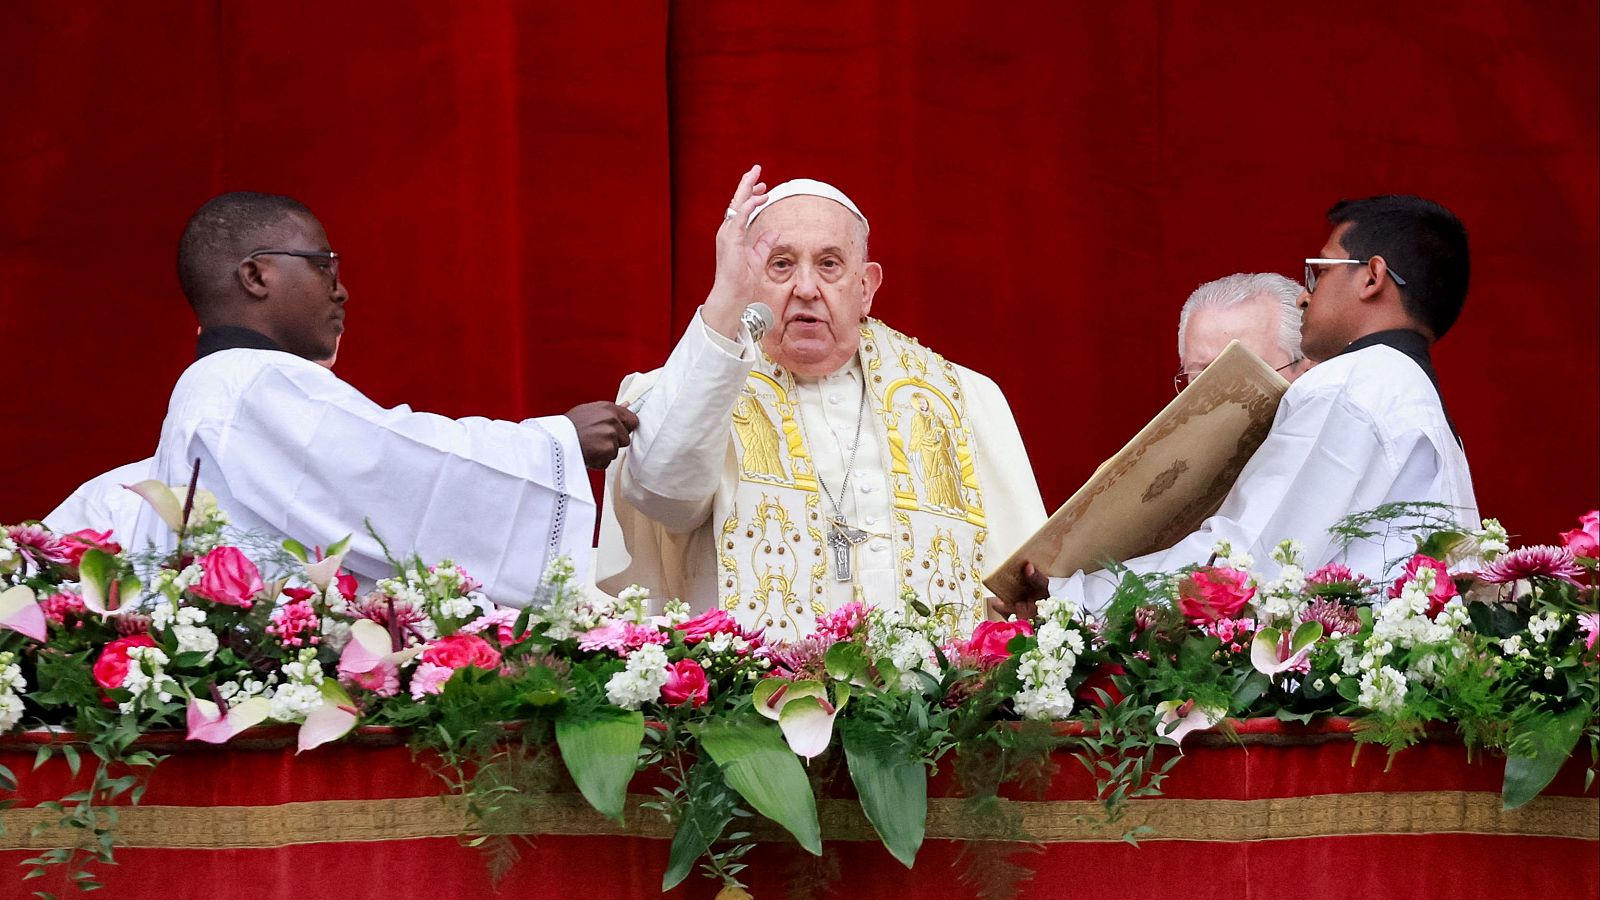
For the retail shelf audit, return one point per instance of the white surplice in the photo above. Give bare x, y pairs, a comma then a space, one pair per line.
1360, 430
290, 450
103, 503
656, 528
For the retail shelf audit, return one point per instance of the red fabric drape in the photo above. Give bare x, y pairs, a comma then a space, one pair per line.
526, 193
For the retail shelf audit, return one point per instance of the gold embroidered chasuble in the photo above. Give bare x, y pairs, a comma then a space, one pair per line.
773, 558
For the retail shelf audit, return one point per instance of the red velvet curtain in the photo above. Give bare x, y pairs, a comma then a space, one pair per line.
525, 194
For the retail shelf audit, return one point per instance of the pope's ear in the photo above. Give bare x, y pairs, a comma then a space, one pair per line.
252, 277
871, 280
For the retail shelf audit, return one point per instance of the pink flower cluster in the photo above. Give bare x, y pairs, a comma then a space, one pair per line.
59, 607
444, 656
504, 622
621, 638
1334, 617
1540, 560
843, 623
296, 623
1233, 633
80, 542
1585, 539
707, 625
1339, 577
39, 546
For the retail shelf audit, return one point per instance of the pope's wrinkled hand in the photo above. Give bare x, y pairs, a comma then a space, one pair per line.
603, 430
740, 264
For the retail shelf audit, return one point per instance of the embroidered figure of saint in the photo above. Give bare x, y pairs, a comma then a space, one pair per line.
930, 439
760, 439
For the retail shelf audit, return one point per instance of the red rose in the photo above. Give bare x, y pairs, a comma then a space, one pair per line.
230, 578
80, 542
1101, 678
112, 666
686, 681
459, 650
711, 622
1585, 539
990, 638
1210, 593
1443, 587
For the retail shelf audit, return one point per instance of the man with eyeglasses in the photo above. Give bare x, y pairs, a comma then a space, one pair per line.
1363, 428
1260, 311
290, 450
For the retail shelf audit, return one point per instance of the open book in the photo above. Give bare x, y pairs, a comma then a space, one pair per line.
1167, 480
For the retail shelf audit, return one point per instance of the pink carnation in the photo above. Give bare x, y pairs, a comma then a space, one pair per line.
460, 650
1444, 588
620, 637
59, 607
1538, 561
429, 678
504, 622
295, 623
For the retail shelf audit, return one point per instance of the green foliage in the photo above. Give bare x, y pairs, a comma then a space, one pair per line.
760, 766
601, 753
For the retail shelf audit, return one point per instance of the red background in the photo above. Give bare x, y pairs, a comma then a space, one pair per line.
525, 195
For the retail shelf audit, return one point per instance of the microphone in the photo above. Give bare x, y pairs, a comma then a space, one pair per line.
757, 320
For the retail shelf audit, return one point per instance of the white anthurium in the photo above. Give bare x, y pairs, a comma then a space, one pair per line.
207, 721
102, 593
803, 710
162, 500
371, 646
1177, 718
1275, 650
330, 721
20, 612
322, 572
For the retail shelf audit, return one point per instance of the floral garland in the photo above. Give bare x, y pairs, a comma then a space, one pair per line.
1498, 642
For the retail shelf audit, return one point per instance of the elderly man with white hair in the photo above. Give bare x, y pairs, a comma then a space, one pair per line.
1260, 311
832, 460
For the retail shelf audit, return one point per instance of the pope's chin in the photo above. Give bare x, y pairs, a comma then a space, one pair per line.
805, 355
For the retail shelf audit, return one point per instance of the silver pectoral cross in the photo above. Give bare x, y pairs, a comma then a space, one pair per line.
842, 539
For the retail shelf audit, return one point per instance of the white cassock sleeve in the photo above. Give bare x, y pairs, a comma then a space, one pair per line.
289, 448
102, 503
1325, 458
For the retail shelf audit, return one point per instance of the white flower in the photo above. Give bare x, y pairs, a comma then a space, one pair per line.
677, 612
1549, 672
1540, 627
1383, 690
1288, 553
10, 711
1492, 540
1043, 703
292, 702
147, 679
1052, 636
641, 681
335, 634
1512, 646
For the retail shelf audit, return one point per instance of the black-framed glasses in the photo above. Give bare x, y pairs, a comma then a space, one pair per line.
326, 260
1184, 379
1312, 265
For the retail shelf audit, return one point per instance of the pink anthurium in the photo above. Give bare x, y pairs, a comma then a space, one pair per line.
1178, 718
162, 500
370, 646
803, 710
20, 612
331, 720
208, 723
1275, 650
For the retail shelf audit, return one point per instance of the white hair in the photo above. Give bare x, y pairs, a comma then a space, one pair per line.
1242, 288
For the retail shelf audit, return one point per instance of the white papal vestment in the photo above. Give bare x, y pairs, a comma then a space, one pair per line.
716, 501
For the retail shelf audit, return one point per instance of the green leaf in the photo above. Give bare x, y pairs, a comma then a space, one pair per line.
1553, 739
602, 753
1249, 690
297, 549
708, 810
893, 789
1440, 543
71, 753
338, 547
759, 765
845, 660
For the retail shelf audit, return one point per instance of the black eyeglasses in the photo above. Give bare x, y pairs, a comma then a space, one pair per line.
1184, 379
326, 260
1312, 265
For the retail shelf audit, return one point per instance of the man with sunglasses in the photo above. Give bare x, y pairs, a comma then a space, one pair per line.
1366, 426
290, 450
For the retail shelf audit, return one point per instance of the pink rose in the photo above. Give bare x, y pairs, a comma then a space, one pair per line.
111, 669
230, 578
1585, 539
1211, 593
80, 542
990, 638
707, 624
1444, 588
459, 650
686, 681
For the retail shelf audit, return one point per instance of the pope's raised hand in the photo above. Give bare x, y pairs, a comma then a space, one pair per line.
741, 263
603, 428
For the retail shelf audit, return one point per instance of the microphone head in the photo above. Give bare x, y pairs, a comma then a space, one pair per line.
758, 318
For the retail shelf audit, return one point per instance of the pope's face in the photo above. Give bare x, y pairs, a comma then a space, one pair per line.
817, 282
1253, 323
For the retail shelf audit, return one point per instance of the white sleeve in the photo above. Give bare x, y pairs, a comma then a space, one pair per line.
308, 455
1318, 464
674, 464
